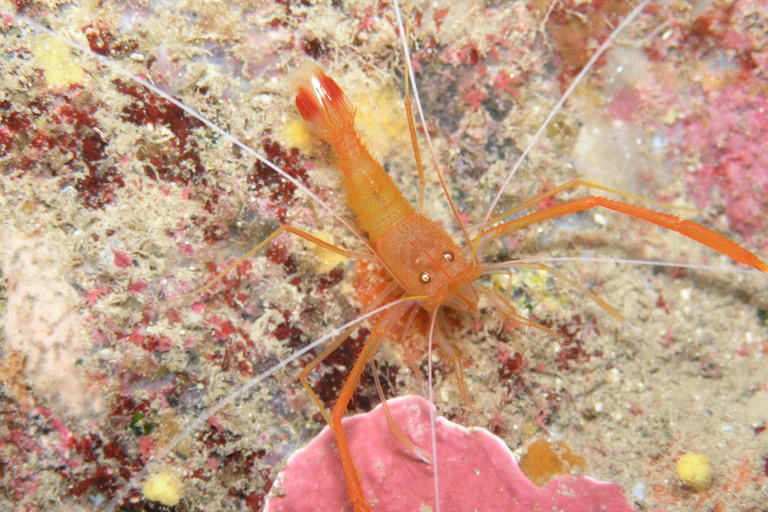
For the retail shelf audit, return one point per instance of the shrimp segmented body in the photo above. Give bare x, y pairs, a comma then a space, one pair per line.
126, 197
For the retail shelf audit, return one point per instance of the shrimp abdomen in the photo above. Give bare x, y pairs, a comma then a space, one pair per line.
373, 196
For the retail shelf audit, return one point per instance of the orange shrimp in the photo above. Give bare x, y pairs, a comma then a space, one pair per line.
423, 259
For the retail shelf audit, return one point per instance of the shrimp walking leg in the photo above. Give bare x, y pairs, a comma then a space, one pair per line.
573, 184
285, 228
398, 433
540, 266
421, 453
319, 359
507, 310
687, 228
330, 349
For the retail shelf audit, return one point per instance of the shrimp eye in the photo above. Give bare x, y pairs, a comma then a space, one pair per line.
449, 256
425, 278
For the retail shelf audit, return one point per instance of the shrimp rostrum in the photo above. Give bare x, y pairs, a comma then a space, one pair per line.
424, 262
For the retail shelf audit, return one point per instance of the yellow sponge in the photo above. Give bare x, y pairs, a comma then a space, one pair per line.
695, 470
327, 260
59, 65
164, 488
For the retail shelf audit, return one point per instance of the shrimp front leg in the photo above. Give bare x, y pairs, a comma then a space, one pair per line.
351, 476
354, 485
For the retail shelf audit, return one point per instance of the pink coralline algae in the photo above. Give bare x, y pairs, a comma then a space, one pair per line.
477, 472
731, 136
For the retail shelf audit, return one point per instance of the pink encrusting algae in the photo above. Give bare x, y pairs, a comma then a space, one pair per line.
731, 137
478, 472
728, 138
127, 201
717, 119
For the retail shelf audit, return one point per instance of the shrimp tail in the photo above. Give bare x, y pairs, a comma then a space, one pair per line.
323, 105
372, 194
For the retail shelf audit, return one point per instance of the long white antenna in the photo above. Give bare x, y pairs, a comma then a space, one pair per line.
189, 110
232, 397
586, 69
422, 118
432, 420
648, 263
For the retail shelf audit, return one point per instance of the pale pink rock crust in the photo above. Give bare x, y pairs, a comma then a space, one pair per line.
477, 471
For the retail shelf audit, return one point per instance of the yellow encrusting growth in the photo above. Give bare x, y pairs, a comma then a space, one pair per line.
296, 134
695, 470
164, 488
540, 284
380, 119
326, 260
501, 282
57, 62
